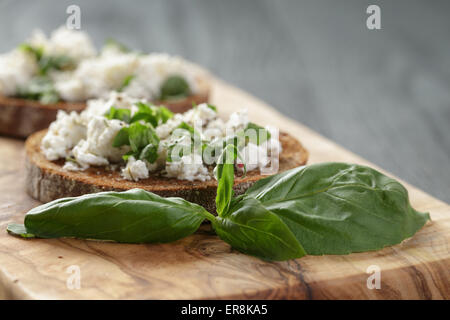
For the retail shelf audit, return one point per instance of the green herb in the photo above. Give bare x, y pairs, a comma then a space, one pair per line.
251, 229
338, 208
41, 89
122, 138
214, 108
151, 114
142, 139
140, 135
224, 173
185, 126
328, 208
134, 216
174, 87
126, 82
47, 63
256, 134
37, 52
119, 114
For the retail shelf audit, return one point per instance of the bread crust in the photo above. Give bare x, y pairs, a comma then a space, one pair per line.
47, 181
21, 117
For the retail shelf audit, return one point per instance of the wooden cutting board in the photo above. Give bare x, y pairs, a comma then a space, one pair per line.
202, 266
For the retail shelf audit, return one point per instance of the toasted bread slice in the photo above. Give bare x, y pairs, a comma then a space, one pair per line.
21, 117
47, 181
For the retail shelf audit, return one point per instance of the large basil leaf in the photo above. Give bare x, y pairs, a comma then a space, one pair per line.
134, 216
338, 208
251, 229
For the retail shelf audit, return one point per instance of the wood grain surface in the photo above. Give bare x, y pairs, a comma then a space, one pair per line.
203, 267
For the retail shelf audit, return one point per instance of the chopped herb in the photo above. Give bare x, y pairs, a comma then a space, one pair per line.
174, 87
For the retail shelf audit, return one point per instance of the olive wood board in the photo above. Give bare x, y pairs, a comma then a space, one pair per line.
202, 266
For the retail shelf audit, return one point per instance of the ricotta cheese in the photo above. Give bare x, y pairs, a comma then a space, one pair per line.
135, 170
62, 135
94, 75
17, 68
74, 44
86, 140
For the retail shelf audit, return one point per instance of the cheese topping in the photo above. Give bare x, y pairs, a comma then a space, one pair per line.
175, 147
76, 72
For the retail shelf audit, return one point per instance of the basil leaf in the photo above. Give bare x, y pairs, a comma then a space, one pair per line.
40, 88
186, 127
140, 135
126, 82
130, 153
214, 108
122, 138
146, 113
119, 114
37, 52
339, 208
47, 63
224, 172
164, 114
149, 153
252, 229
174, 87
19, 230
134, 216
256, 134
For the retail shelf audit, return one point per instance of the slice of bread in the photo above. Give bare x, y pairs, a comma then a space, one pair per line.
21, 117
47, 181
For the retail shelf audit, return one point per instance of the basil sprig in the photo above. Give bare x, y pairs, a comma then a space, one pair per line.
328, 208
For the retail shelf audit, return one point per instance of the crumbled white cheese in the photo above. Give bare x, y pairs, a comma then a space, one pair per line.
200, 115
189, 167
98, 107
85, 157
214, 129
63, 134
95, 75
68, 87
16, 70
86, 139
237, 121
101, 75
100, 136
253, 156
135, 170
74, 44
154, 69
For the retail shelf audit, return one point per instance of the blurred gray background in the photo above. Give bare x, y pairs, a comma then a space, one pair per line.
383, 94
